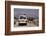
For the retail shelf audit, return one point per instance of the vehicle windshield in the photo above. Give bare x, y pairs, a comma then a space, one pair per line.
22, 17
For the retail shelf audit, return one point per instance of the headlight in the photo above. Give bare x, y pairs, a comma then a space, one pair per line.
18, 21
26, 21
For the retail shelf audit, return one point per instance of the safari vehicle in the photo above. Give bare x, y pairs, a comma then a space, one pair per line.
22, 20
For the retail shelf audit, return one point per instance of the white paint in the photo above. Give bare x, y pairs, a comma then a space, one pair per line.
26, 28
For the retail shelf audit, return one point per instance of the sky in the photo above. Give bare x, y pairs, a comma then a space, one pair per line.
28, 12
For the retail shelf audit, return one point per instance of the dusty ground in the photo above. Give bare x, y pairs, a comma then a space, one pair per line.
28, 24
